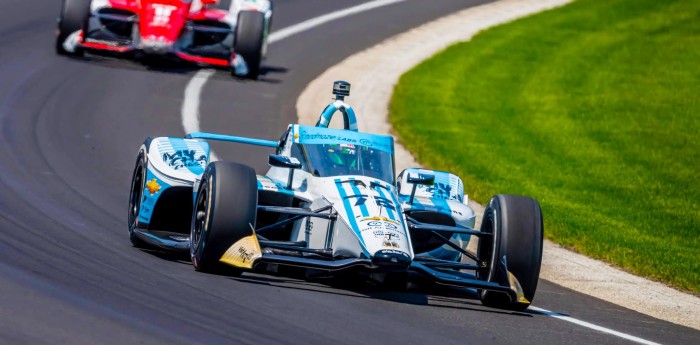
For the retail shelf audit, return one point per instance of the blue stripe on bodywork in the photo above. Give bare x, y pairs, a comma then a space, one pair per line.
440, 196
396, 205
351, 214
281, 188
363, 207
398, 208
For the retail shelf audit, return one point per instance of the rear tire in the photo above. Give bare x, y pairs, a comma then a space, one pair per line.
138, 181
249, 40
228, 199
516, 224
73, 17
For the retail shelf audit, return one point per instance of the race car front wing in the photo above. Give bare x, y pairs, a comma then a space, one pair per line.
250, 255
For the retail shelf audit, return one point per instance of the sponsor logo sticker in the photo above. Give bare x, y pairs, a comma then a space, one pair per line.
153, 186
243, 253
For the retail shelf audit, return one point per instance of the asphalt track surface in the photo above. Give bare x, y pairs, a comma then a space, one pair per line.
69, 131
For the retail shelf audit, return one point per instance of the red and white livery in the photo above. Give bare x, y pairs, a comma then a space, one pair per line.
192, 30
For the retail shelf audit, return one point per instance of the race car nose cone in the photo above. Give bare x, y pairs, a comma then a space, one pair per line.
157, 45
391, 258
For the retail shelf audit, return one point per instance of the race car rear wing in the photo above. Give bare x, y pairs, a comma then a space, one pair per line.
233, 139
341, 89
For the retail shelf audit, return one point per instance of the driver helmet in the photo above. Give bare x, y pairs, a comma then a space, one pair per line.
342, 155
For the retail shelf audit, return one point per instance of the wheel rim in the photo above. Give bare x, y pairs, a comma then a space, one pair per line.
199, 222
486, 249
135, 198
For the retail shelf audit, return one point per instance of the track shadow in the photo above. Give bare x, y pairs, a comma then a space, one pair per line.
129, 63
265, 70
429, 295
172, 66
265, 75
181, 258
419, 292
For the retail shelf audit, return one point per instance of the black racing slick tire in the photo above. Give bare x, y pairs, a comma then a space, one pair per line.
224, 212
138, 181
250, 30
515, 246
73, 17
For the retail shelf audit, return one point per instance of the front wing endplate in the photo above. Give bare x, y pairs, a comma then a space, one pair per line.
515, 286
243, 253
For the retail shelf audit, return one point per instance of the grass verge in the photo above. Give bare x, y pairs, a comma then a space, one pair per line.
593, 109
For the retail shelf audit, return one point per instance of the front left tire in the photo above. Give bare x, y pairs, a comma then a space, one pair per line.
224, 212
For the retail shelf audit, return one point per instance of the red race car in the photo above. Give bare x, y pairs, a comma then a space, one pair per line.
191, 30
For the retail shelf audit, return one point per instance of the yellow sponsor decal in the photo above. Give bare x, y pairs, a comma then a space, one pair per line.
515, 286
153, 186
390, 244
243, 253
385, 219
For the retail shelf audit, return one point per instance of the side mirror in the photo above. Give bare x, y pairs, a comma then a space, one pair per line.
422, 179
419, 179
290, 163
284, 162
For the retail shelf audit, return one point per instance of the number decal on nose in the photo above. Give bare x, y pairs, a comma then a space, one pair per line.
381, 201
162, 14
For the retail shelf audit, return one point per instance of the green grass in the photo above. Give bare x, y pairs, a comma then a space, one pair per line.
593, 109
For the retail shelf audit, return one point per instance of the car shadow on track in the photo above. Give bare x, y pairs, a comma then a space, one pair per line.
429, 295
266, 73
353, 285
181, 258
170, 66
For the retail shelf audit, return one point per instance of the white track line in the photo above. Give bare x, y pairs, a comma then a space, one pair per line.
190, 105
592, 326
314, 22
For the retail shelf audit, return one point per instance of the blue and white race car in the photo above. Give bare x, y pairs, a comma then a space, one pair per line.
330, 202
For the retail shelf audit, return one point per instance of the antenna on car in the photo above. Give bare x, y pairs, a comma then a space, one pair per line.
341, 89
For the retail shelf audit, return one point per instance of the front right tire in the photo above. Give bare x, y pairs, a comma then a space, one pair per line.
515, 246
73, 17
224, 212
250, 29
